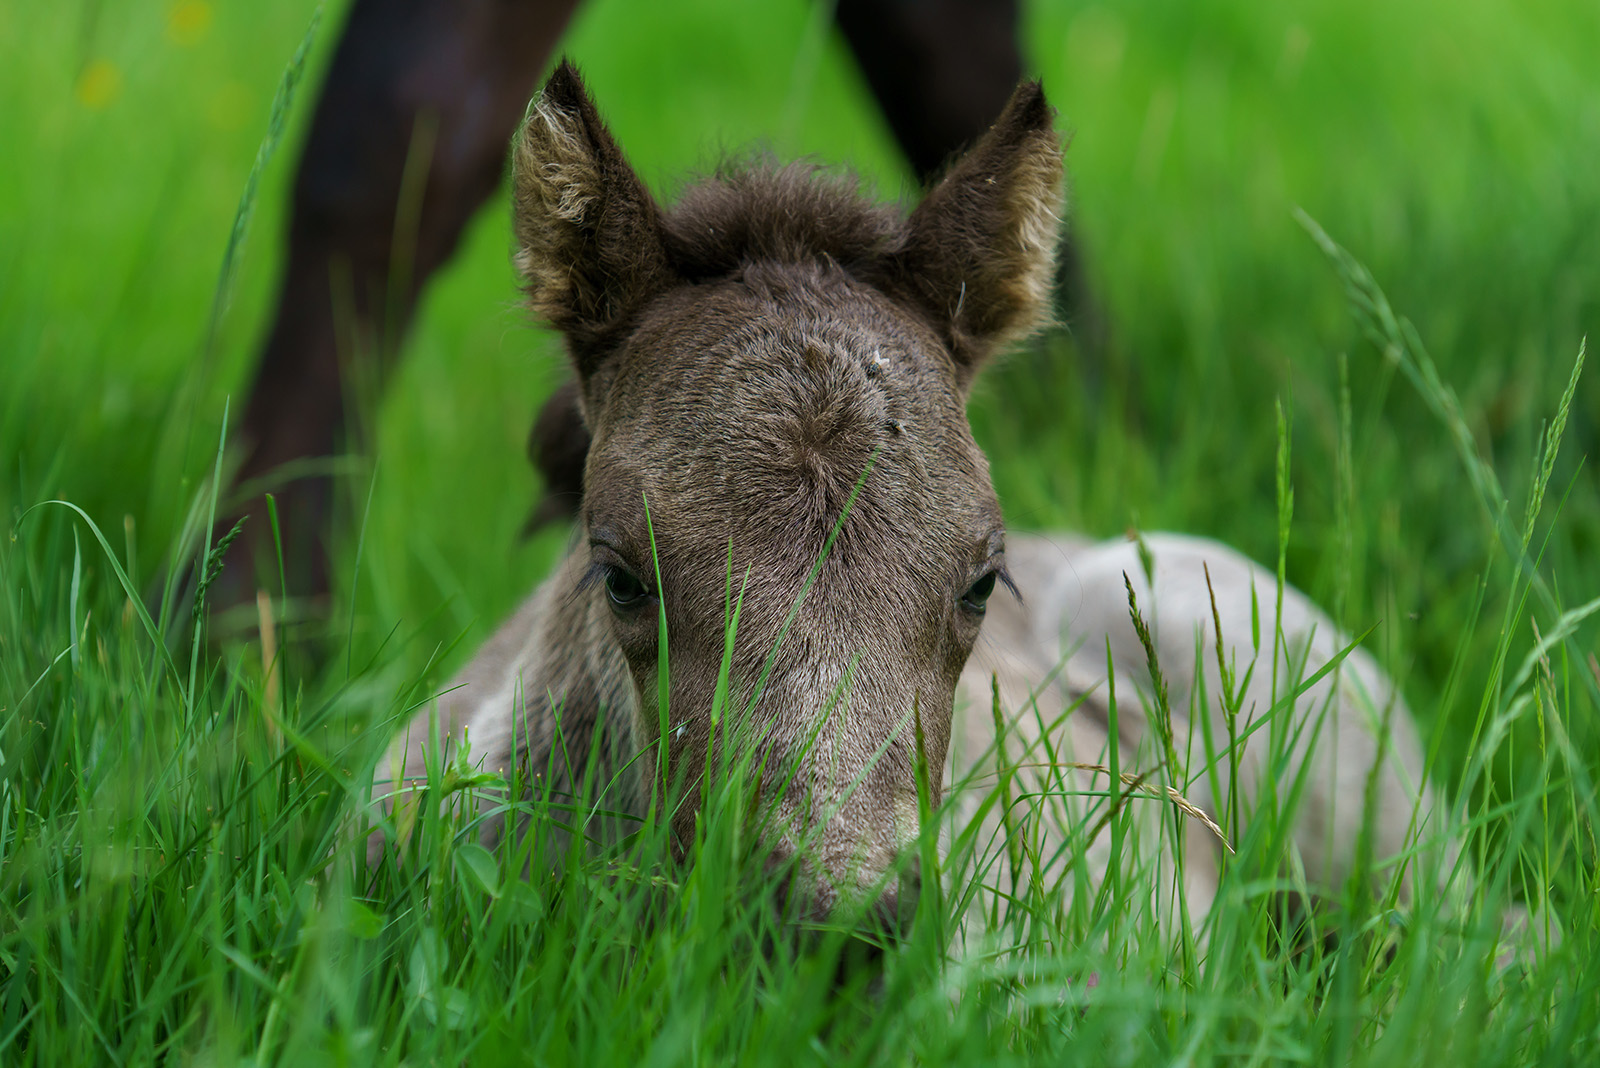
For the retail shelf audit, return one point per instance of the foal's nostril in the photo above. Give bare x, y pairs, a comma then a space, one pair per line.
810, 906
910, 887
891, 915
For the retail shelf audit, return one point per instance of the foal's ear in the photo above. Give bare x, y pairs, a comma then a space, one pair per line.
980, 248
588, 234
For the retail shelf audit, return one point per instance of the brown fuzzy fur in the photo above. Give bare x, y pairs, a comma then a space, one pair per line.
747, 363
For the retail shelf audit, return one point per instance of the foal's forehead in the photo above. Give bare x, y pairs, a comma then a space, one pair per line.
797, 331
756, 405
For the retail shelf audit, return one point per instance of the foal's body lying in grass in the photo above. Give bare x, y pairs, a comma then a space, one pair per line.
774, 374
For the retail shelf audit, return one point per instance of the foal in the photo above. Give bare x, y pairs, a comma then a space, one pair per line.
774, 372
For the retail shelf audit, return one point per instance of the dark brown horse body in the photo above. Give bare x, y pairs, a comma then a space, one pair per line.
774, 373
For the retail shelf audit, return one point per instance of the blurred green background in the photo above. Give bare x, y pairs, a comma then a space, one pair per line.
1452, 145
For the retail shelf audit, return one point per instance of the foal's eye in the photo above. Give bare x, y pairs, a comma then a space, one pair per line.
626, 592
977, 595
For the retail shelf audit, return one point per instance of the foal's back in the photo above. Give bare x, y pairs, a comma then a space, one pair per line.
1062, 654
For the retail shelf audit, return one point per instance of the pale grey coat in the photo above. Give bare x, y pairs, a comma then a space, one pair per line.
1048, 654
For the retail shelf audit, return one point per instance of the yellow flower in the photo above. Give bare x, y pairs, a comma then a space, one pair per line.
99, 84
188, 21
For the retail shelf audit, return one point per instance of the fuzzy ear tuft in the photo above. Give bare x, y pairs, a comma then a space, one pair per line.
980, 248
588, 233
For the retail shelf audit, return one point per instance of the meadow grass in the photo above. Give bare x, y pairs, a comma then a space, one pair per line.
182, 819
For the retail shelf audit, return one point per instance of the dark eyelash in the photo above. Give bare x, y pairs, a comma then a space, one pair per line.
596, 573
1005, 580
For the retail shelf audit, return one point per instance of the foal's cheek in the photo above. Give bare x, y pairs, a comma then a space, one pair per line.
964, 637
637, 641
687, 716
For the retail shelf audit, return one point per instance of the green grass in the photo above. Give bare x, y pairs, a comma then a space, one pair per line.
180, 846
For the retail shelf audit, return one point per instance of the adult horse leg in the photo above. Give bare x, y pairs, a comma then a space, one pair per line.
450, 80
941, 71
408, 140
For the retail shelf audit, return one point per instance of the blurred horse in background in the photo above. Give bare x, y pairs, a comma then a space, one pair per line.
407, 142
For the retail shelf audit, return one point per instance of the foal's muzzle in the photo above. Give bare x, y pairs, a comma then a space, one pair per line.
813, 908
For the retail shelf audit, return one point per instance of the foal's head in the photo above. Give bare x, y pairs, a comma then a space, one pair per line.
774, 373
